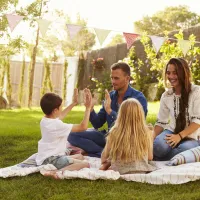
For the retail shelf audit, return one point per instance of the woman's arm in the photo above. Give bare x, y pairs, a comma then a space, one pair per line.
157, 130
189, 130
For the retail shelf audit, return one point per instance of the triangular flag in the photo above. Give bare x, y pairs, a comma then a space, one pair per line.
13, 20
101, 34
184, 46
43, 26
73, 30
130, 38
157, 42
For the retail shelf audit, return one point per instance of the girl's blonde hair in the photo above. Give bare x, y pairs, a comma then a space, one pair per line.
129, 139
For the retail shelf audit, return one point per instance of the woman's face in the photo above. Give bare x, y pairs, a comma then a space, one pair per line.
172, 76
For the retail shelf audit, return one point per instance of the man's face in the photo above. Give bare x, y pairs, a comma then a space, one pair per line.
119, 79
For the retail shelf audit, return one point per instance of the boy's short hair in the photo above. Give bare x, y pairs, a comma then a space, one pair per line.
49, 102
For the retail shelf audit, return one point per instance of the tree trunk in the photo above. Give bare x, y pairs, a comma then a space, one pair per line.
33, 70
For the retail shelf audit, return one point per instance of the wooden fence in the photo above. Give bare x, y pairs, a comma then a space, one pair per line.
15, 73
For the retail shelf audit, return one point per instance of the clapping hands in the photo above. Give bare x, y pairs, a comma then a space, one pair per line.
75, 97
107, 102
87, 98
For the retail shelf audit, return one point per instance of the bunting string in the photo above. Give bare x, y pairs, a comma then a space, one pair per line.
102, 34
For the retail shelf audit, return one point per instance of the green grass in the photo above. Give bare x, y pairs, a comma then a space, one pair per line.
19, 134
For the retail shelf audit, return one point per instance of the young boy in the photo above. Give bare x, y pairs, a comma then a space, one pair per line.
52, 146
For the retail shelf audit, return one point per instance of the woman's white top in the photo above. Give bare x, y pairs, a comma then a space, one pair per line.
169, 110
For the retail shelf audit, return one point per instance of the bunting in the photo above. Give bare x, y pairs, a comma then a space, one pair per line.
157, 42
43, 26
13, 20
73, 30
101, 34
130, 38
184, 46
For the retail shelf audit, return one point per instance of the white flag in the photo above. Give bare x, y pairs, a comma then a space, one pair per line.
157, 42
101, 34
43, 26
184, 46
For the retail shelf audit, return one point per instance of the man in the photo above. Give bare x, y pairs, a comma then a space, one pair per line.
93, 141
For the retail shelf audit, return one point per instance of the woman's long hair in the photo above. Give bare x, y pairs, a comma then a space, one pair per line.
129, 139
184, 78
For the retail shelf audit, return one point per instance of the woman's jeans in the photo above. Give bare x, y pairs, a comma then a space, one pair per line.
92, 141
162, 150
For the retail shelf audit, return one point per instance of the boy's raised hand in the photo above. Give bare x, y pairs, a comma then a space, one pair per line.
75, 97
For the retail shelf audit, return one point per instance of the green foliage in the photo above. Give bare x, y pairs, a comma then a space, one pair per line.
151, 70
117, 39
171, 18
102, 85
6, 4
47, 84
141, 72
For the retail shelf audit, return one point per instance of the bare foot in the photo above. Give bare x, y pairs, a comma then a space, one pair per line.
52, 174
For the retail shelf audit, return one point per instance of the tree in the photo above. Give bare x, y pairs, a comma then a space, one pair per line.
171, 18
83, 41
31, 13
117, 39
5, 5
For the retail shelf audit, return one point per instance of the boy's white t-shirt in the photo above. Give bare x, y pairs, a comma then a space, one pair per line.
54, 138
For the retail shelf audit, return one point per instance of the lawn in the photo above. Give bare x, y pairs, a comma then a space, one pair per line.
19, 133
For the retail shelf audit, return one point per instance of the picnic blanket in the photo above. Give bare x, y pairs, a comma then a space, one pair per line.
164, 175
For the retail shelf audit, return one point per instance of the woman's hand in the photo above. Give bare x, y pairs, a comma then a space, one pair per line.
172, 139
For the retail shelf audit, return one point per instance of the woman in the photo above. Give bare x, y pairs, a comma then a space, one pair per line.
180, 104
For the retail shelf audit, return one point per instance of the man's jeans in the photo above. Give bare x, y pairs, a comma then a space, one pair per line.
162, 150
91, 141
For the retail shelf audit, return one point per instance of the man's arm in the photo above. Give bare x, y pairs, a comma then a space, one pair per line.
98, 119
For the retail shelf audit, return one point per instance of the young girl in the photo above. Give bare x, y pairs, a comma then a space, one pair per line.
129, 143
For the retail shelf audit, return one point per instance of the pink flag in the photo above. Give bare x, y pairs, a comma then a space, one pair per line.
73, 30
13, 20
130, 39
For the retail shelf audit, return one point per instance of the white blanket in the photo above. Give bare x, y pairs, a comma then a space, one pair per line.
166, 174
